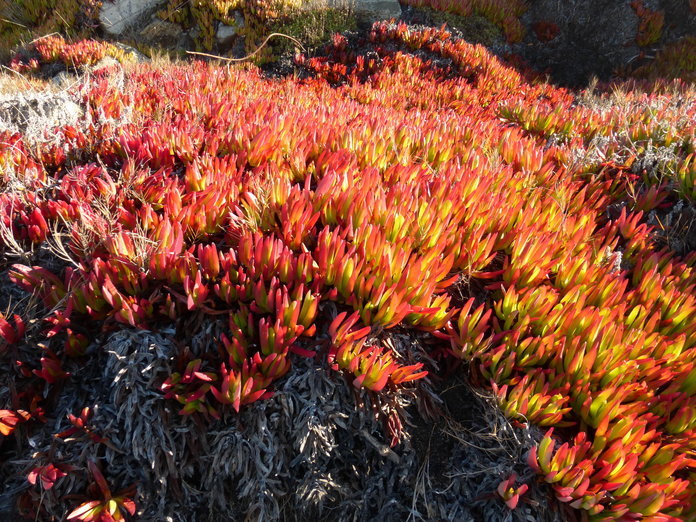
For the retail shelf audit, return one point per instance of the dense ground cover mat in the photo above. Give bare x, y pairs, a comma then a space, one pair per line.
227, 296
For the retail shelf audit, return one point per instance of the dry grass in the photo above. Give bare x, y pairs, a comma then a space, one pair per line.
12, 82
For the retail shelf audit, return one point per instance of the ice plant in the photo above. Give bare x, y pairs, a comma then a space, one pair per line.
9, 419
372, 366
48, 475
650, 25
509, 493
249, 384
51, 369
503, 14
417, 187
54, 48
190, 388
81, 427
109, 507
12, 334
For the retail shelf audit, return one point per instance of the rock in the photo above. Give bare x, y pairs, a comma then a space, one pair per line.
226, 33
132, 53
35, 113
107, 61
120, 15
377, 10
165, 34
64, 80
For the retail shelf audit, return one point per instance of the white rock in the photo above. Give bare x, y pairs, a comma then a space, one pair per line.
117, 16
35, 114
107, 61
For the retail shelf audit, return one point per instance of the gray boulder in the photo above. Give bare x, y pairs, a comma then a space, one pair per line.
226, 33
121, 15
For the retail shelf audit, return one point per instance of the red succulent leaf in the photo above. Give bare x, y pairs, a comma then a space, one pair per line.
84, 511
48, 475
99, 479
9, 419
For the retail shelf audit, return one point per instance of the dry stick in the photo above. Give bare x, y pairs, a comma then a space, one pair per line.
13, 23
42, 37
258, 49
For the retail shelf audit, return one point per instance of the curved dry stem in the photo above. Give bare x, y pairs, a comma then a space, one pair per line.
248, 56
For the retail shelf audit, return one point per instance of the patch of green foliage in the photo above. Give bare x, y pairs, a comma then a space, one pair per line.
474, 28
312, 28
675, 60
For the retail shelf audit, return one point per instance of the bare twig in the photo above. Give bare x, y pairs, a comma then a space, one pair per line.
57, 247
248, 56
42, 37
13, 23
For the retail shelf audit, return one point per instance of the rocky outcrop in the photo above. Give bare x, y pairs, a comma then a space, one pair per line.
167, 35
35, 113
121, 15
